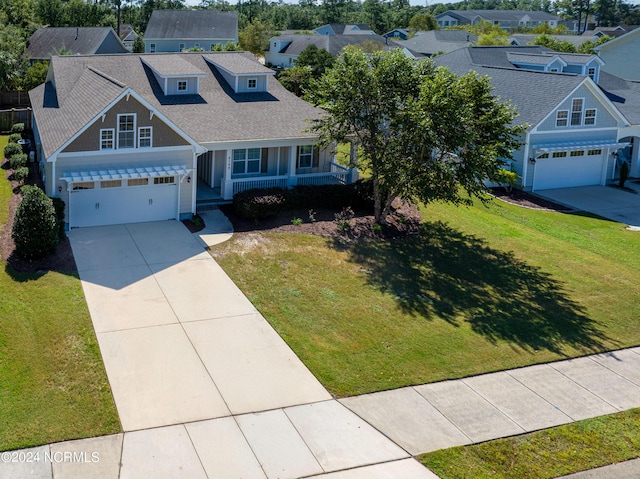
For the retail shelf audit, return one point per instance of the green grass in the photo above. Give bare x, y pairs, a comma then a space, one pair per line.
544, 454
53, 385
478, 290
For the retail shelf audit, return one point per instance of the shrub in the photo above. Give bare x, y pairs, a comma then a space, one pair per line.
17, 128
35, 230
14, 137
58, 206
259, 203
12, 149
624, 173
18, 161
21, 173
506, 178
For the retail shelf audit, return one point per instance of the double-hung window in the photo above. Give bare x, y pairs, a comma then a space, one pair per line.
106, 139
576, 111
127, 131
591, 71
562, 117
144, 137
590, 116
246, 161
305, 156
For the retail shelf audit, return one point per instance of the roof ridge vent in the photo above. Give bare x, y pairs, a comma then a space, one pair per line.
106, 77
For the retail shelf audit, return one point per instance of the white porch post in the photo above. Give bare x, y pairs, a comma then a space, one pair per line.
634, 169
227, 184
352, 177
291, 172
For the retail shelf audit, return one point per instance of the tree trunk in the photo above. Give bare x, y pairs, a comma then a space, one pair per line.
377, 203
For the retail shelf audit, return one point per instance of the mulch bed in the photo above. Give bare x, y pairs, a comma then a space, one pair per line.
61, 260
527, 200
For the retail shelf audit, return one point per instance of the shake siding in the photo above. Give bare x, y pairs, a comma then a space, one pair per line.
603, 118
162, 134
617, 57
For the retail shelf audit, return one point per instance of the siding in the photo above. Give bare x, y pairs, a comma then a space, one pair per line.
603, 118
618, 56
163, 135
174, 45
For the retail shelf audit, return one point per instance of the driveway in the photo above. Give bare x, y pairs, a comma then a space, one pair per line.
611, 203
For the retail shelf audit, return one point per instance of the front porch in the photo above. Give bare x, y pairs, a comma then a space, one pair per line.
223, 173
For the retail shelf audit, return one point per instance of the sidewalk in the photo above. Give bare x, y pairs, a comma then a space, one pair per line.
205, 388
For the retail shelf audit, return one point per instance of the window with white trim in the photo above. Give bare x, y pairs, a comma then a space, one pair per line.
144, 137
594, 152
138, 182
127, 130
559, 154
164, 180
182, 85
152, 47
305, 156
252, 83
562, 117
591, 71
106, 139
577, 153
84, 185
554, 70
246, 161
196, 45
590, 116
576, 111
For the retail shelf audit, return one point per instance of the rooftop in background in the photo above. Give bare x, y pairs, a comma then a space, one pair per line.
344, 29
192, 24
48, 41
438, 41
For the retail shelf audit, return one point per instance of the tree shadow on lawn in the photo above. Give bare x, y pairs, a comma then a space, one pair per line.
443, 273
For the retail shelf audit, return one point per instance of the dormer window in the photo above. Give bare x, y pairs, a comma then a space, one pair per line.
182, 85
182, 46
174, 74
241, 73
592, 73
252, 83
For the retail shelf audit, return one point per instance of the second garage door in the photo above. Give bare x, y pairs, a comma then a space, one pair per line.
108, 203
575, 168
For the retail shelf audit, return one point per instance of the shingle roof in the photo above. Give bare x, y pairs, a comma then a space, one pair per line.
575, 40
192, 24
241, 65
339, 28
46, 41
533, 94
86, 85
170, 65
295, 44
531, 58
501, 15
624, 94
435, 41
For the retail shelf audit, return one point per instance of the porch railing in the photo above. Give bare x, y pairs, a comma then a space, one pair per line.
332, 178
337, 166
251, 183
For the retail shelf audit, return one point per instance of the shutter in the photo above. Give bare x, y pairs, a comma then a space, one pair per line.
316, 156
264, 166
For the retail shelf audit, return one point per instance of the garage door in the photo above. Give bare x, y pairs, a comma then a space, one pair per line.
576, 168
117, 202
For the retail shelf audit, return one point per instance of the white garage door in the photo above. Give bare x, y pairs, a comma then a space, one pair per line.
579, 168
101, 204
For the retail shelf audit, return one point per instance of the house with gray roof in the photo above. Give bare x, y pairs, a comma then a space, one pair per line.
141, 137
48, 41
621, 55
344, 29
180, 30
283, 50
438, 41
581, 123
528, 38
506, 19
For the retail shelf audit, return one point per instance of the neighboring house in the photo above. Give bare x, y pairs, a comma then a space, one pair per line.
48, 41
179, 30
283, 50
127, 36
131, 138
527, 38
576, 134
506, 19
344, 29
397, 34
439, 41
621, 55
610, 31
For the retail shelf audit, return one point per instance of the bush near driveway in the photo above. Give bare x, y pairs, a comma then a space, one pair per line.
35, 229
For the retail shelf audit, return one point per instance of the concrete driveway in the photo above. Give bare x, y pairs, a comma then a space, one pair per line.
611, 203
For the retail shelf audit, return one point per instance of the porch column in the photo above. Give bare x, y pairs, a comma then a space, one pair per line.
634, 170
291, 172
227, 184
352, 177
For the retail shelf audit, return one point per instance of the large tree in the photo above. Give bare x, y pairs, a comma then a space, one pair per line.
424, 133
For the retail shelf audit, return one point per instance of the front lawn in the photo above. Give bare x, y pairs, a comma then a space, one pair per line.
53, 385
478, 290
544, 454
